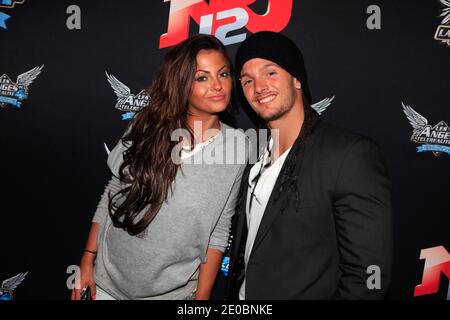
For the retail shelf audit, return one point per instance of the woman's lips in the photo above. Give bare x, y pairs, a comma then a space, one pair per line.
217, 97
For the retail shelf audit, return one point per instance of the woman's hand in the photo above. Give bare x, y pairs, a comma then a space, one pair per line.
86, 276
208, 273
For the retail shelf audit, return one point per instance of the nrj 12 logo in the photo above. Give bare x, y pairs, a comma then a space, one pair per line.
437, 263
9, 285
7, 4
126, 101
219, 18
443, 31
435, 139
14, 93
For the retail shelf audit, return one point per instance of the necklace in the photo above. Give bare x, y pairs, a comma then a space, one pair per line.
188, 150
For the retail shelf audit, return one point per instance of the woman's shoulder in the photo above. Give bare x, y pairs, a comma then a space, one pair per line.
115, 157
236, 143
228, 130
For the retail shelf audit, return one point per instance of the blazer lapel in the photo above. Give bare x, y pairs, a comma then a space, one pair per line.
241, 210
270, 212
274, 208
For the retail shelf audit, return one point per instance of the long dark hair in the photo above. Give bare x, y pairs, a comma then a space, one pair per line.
148, 169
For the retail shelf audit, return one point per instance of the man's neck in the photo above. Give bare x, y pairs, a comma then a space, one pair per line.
285, 130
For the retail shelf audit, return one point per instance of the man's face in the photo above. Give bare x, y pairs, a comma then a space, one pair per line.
270, 90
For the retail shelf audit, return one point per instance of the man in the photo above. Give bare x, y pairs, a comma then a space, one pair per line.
314, 212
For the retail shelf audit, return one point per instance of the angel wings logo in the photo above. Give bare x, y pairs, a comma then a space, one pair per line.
14, 93
9, 285
433, 139
443, 31
322, 105
7, 4
126, 101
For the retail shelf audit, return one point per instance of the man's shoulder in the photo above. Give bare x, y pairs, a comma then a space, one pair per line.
333, 140
336, 135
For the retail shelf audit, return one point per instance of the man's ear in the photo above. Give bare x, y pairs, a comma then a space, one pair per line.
297, 84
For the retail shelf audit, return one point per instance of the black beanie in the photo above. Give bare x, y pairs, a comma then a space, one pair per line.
276, 48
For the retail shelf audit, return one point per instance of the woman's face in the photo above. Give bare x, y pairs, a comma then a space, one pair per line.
211, 89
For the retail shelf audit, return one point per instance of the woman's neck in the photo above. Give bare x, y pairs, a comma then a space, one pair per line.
204, 127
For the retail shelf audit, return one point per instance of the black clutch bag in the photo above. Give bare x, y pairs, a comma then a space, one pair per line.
86, 294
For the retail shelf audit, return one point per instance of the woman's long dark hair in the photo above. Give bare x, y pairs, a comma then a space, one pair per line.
148, 169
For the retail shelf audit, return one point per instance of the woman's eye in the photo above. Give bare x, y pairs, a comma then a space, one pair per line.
201, 78
225, 74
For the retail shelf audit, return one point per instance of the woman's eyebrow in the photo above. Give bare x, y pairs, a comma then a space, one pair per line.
206, 71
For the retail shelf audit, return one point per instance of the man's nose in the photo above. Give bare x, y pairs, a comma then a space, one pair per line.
260, 85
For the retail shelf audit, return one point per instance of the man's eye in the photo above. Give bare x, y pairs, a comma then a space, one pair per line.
271, 73
246, 82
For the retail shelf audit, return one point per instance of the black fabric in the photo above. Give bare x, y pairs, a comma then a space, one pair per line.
277, 48
320, 246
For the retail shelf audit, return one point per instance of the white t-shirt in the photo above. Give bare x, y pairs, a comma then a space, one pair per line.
186, 151
261, 196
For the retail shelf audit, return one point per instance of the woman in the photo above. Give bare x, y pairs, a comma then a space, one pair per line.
162, 225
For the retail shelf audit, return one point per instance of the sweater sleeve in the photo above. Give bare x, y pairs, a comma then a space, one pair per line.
114, 185
221, 232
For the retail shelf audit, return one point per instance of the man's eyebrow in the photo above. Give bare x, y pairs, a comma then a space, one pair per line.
267, 65
244, 75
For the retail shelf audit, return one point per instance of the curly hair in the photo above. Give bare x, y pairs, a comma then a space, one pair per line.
148, 170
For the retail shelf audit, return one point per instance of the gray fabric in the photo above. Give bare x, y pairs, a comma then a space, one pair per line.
163, 262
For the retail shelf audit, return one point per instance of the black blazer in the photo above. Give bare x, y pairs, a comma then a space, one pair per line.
320, 246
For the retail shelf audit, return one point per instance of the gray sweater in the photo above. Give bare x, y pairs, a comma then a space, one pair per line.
163, 262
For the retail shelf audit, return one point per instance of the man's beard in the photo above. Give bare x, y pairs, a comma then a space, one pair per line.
285, 108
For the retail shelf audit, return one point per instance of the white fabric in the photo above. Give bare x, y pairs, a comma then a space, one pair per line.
261, 195
186, 152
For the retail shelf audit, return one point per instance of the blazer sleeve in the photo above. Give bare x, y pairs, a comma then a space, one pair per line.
363, 217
